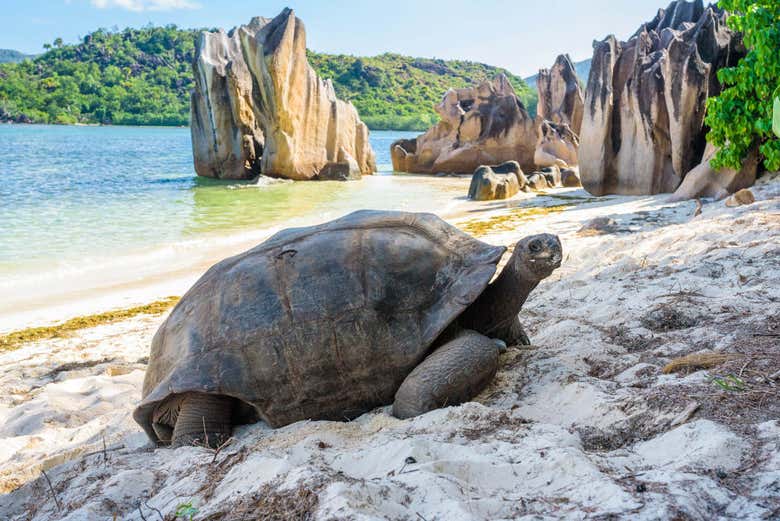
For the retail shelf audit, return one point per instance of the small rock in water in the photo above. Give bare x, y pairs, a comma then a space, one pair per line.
741, 197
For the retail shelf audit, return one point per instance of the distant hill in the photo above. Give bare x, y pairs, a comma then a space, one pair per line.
11, 56
144, 76
582, 68
397, 92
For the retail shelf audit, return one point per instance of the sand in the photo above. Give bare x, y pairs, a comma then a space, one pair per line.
582, 425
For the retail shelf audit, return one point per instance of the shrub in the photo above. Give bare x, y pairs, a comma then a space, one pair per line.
741, 116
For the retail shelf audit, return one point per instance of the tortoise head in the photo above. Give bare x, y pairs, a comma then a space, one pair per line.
537, 256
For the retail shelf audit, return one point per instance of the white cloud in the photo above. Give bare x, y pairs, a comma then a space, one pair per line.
146, 5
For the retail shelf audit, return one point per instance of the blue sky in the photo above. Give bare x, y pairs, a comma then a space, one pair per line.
519, 35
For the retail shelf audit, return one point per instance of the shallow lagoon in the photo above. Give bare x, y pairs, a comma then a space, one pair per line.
83, 208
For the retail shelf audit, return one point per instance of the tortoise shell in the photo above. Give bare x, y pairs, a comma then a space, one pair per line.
322, 322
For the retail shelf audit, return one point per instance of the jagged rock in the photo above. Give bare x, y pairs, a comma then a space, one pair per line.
258, 107
643, 125
497, 182
570, 178
560, 94
556, 145
705, 181
486, 124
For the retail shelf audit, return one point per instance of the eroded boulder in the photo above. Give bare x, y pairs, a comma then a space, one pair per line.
643, 123
560, 94
537, 182
486, 124
259, 107
497, 182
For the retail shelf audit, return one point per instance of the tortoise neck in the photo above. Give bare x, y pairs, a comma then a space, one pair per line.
502, 300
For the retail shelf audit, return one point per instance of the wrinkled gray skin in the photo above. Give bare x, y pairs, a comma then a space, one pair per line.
331, 321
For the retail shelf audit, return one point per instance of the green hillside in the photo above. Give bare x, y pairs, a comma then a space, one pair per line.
11, 56
132, 77
143, 77
397, 92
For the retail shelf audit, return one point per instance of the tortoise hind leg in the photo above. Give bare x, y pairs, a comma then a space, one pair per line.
203, 419
454, 373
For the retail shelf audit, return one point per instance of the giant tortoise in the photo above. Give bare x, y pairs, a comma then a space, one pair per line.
331, 321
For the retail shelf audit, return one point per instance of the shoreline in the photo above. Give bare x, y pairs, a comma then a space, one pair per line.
94, 285
54, 308
9, 122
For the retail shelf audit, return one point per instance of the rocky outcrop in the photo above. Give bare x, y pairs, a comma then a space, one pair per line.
643, 124
560, 94
259, 107
556, 145
497, 182
486, 124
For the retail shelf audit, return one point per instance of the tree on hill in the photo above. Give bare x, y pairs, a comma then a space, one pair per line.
144, 76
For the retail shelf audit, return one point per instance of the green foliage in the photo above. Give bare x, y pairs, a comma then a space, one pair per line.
133, 77
11, 56
186, 511
729, 383
143, 77
776, 118
741, 116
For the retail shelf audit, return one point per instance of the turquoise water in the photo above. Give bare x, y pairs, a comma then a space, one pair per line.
91, 199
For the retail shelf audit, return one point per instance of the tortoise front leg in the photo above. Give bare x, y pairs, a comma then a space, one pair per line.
454, 373
513, 333
203, 419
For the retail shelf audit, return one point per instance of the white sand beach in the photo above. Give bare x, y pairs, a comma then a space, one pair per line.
581, 425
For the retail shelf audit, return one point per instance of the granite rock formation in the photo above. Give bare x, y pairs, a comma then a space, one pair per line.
259, 107
556, 145
643, 124
497, 182
560, 94
486, 124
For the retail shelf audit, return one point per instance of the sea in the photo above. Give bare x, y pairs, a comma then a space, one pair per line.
90, 207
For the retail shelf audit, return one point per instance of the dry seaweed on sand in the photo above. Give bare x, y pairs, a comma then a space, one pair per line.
507, 222
697, 361
272, 504
14, 339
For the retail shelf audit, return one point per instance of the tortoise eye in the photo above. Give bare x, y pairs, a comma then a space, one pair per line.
535, 247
